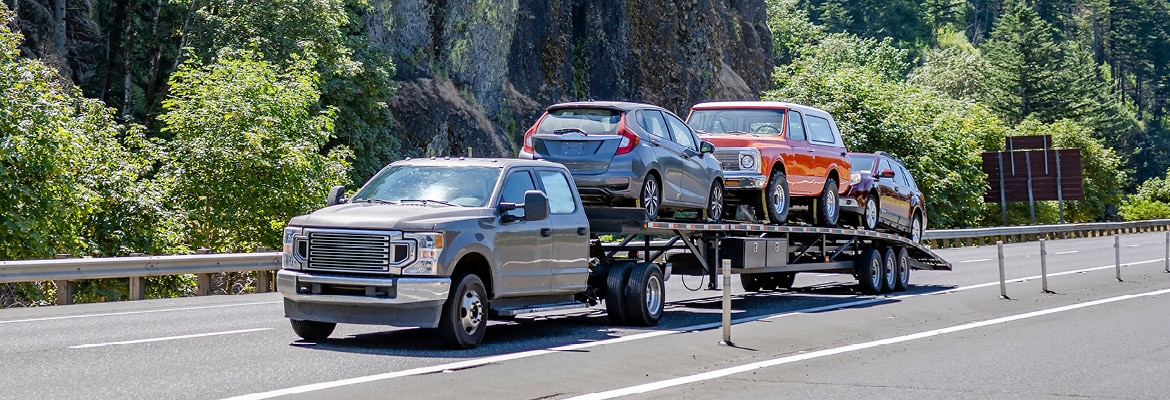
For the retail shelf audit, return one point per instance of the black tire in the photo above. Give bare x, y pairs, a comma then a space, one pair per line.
650, 197
784, 280
777, 198
615, 283
889, 269
869, 271
312, 330
751, 282
903, 281
715, 202
645, 295
828, 205
464, 318
872, 212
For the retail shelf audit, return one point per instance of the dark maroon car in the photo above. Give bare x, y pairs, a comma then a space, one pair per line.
883, 195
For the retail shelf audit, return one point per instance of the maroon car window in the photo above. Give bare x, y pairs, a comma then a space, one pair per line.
682, 134
651, 121
588, 120
904, 177
796, 126
819, 130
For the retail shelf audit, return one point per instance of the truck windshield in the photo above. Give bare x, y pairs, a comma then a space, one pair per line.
462, 186
757, 121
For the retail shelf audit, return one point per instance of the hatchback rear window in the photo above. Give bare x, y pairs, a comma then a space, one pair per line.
588, 120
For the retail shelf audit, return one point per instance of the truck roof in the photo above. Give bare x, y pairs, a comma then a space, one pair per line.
716, 105
477, 162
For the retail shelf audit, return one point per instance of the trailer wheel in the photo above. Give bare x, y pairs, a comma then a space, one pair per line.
869, 271
889, 269
464, 318
903, 271
312, 330
782, 280
751, 282
615, 284
645, 295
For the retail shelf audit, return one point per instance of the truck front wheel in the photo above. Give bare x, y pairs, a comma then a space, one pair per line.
645, 295
312, 330
464, 318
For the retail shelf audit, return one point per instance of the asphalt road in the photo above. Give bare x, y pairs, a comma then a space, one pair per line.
949, 336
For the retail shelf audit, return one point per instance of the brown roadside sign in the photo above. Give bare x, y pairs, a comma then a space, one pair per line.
1043, 167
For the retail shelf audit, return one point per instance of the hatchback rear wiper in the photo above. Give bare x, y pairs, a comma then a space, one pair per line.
567, 130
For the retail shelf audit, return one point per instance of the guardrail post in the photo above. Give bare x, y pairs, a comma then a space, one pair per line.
1002, 279
1167, 259
727, 304
202, 284
1044, 267
137, 288
64, 292
263, 281
1117, 255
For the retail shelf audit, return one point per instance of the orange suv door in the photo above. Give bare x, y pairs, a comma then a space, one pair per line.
801, 178
830, 153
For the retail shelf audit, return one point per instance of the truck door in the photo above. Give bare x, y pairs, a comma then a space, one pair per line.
521, 247
569, 264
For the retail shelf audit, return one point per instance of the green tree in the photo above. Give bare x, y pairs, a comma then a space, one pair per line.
1152, 200
956, 70
245, 154
1023, 66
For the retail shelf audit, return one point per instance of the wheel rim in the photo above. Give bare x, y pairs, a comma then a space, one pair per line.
875, 272
650, 197
916, 230
654, 295
830, 199
715, 208
904, 272
776, 199
470, 312
871, 214
891, 274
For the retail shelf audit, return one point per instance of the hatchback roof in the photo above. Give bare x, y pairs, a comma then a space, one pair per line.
613, 105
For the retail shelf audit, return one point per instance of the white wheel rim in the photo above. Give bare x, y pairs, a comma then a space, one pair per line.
891, 270
875, 272
777, 199
650, 197
715, 210
470, 312
654, 295
870, 214
904, 271
830, 199
916, 230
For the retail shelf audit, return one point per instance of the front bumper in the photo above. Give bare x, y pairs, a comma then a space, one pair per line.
851, 205
397, 301
733, 180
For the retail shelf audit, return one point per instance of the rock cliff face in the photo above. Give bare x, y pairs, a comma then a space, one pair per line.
477, 73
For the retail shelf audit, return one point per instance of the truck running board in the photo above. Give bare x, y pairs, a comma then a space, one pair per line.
514, 311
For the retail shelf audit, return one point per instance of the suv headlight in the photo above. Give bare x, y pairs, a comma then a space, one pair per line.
294, 248
854, 179
429, 246
746, 161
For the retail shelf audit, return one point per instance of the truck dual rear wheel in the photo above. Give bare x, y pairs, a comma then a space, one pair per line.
312, 330
615, 284
869, 271
645, 295
464, 318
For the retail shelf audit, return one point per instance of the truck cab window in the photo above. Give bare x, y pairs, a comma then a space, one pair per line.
560, 194
518, 182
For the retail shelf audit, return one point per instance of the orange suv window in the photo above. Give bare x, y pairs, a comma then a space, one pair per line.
819, 130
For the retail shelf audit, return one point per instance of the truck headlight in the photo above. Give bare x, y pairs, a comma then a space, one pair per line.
293, 249
746, 161
429, 246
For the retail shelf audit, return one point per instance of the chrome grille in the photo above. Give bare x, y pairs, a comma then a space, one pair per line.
729, 160
360, 251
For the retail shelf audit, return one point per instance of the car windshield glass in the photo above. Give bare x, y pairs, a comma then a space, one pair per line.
587, 120
760, 122
861, 163
438, 185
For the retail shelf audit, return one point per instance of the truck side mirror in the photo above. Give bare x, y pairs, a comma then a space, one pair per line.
336, 196
535, 205
706, 147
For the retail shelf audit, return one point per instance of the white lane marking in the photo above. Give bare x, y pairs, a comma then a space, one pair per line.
1064, 252
1132, 245
649, 387
972, 261
161, 339
650, 334
136, 312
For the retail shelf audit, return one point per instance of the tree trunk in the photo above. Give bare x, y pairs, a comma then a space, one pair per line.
127, 55
62, 51
114, 45
152, 75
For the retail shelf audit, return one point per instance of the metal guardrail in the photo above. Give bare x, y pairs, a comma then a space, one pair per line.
62, 271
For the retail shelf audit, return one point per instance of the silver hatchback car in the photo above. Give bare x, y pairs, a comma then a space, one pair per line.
621, 153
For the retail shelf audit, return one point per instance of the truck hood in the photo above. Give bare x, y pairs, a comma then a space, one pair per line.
742, 140
388, 216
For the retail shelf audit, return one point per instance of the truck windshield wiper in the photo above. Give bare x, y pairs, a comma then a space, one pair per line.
426, 201
378, 201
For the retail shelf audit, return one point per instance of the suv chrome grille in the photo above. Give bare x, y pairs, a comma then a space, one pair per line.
359, 251
729, 160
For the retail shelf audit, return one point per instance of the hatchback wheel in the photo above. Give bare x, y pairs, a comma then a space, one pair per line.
651, 197
715, 202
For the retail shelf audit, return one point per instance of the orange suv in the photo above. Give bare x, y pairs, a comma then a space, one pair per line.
775, 155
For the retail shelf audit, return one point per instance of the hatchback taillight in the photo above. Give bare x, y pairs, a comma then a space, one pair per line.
629, 139
529, 142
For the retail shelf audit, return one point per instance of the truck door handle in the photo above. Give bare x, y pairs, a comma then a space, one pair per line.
545, 232
581, 231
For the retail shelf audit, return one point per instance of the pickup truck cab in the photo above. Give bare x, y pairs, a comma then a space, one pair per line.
449, 243
775, 155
